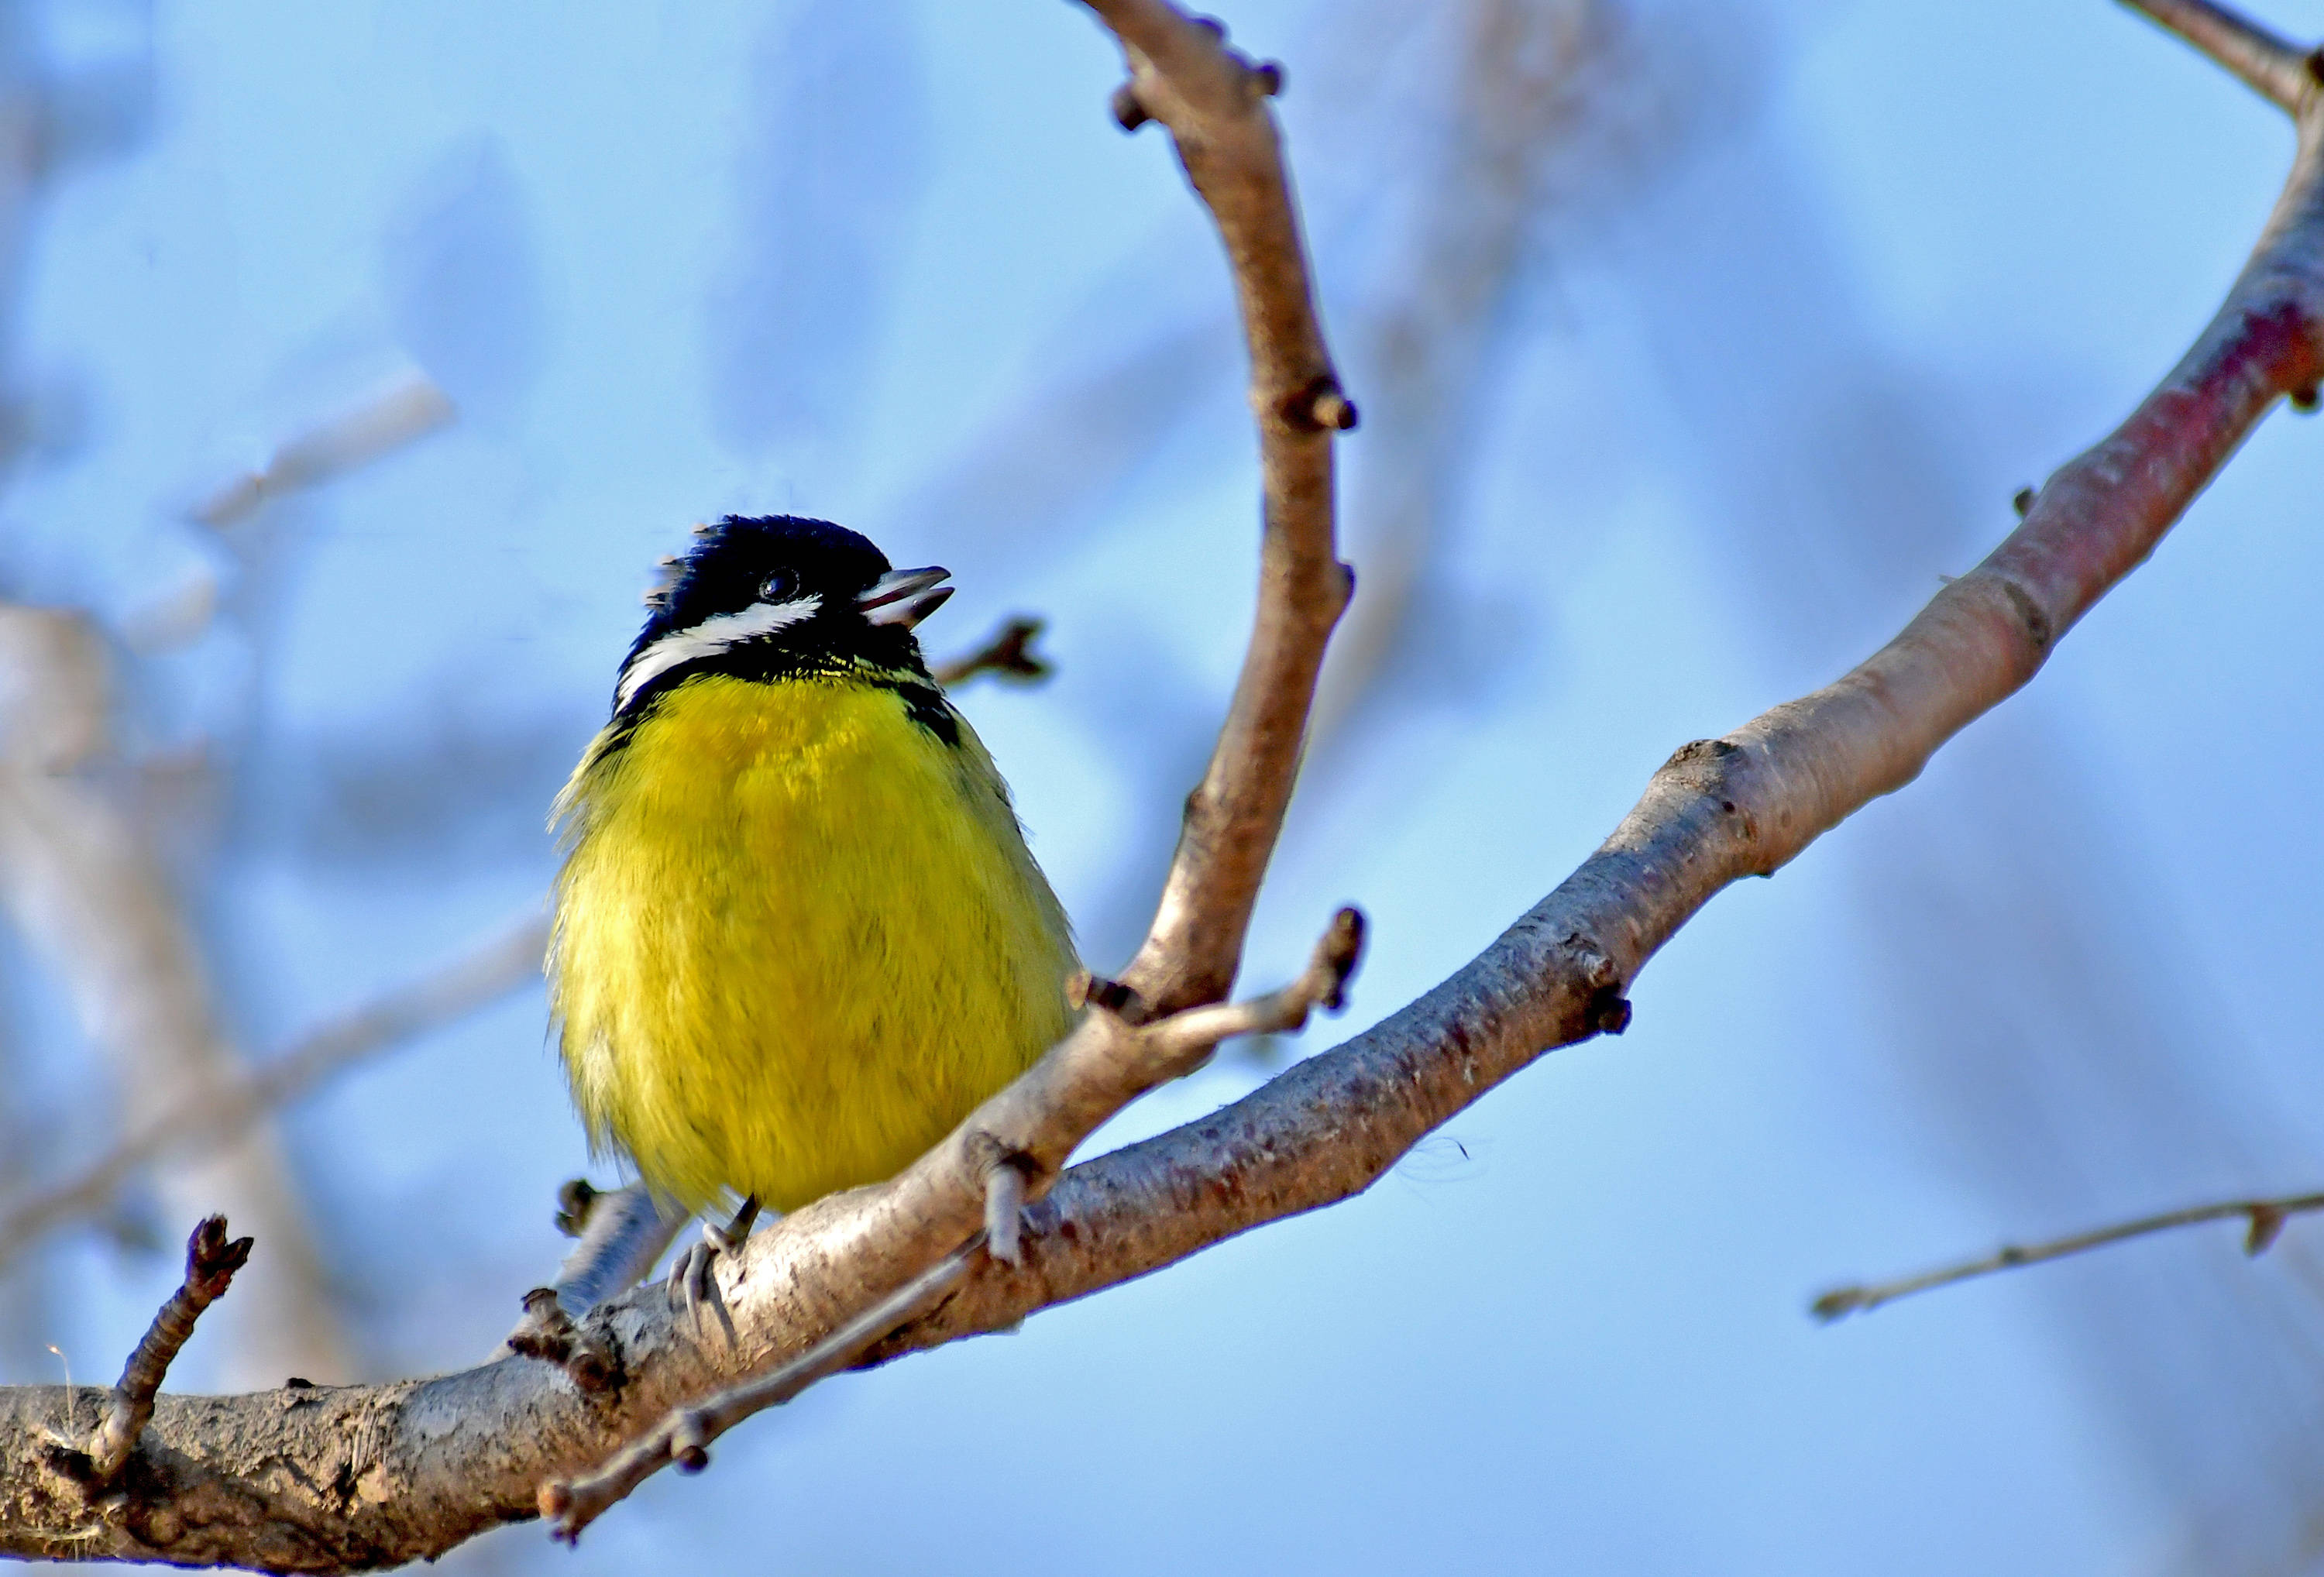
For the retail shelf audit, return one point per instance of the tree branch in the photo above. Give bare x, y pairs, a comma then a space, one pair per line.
2274, 68
1214, 103
1719, 809
362, 1476
79, 875
2263, 1218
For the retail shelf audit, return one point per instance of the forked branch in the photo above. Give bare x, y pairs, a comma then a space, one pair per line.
1214, 101
2274, 68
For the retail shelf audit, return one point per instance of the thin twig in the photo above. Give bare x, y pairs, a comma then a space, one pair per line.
1008, 655
217, 1115
684, 1437
1187, 1037
211, 1260
622, 1233
2265, 1218
2274, 68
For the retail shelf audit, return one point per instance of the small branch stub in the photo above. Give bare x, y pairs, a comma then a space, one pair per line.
575, 1201
2266, 1221
546, 1332
1336, 957
1004, 1210
211, 1260
1129, 110
1008, 655
1095, 991
1321, 407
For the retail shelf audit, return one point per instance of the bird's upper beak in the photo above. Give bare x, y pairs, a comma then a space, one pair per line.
905, 597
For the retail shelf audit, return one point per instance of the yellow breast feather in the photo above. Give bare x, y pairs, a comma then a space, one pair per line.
798, 938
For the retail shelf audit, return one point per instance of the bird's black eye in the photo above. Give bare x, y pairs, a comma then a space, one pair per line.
778, 587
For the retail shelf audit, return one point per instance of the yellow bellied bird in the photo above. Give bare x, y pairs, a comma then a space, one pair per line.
799, 935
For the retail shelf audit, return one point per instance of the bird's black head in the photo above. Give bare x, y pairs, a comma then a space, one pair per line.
764, 597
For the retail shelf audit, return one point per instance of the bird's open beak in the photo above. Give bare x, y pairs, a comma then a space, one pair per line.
905, 597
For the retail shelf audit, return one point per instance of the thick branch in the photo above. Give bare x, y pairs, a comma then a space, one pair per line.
2274, 68
2263, 1220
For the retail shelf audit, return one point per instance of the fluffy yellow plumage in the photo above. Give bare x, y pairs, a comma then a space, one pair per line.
798, 934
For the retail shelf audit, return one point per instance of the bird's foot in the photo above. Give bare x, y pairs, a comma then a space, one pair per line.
691, 1285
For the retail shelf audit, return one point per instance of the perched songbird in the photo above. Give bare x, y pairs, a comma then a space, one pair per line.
798, 934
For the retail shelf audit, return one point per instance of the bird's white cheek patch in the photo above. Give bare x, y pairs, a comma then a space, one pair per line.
708, 639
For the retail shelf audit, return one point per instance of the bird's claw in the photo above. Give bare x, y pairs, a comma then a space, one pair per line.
690, 1275
691, 1286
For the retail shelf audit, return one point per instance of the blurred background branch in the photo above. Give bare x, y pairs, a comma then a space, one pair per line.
408, 408
221, 1115
84, 891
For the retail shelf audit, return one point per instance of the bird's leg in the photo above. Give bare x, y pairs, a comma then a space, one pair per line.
689, 1273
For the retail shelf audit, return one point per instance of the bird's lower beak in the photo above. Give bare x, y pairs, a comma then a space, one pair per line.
905, 597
